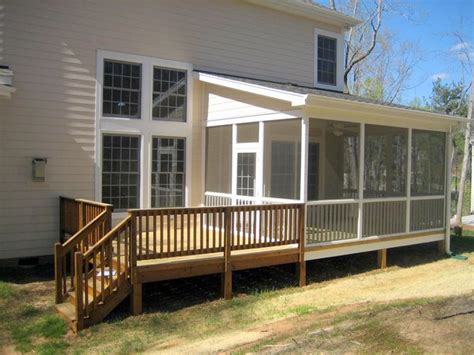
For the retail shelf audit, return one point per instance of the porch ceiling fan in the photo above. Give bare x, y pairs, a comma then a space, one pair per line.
339, 129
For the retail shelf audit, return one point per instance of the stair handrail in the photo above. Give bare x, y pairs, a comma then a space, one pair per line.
106, 266
89, 232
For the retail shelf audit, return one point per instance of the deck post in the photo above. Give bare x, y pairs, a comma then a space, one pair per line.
136, 299
58, 272
226, 279
382, 258
442, 247
61, 219
136, 295
79, 293
301, 266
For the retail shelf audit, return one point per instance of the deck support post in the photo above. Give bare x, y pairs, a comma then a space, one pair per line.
226, 280
301, 273
382, 258
442, 247
226, 284
301, 265
136, 299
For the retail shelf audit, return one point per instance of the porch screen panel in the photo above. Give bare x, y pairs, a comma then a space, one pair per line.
121, 171
336, 160
385, 170
168, 172
219, 159
282, 159
247, 133
427, 163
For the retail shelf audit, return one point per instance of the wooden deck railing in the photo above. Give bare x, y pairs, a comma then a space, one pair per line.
173, 232
93, 220
75, 214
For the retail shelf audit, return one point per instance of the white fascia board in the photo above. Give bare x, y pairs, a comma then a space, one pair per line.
309, 11
318, 100
296, 100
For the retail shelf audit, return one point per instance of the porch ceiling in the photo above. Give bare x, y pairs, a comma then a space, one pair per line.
315, 101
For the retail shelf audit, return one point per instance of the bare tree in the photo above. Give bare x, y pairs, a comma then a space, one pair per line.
466, 65
332, 5
465, 160
356, 50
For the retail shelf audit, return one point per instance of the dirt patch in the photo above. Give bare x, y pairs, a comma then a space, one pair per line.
389, 328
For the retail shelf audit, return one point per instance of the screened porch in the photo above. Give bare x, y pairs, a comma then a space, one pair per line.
358, 181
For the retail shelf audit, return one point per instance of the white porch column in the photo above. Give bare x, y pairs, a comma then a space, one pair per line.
304, 159
410, 135
261, 161
234, 165
360, 220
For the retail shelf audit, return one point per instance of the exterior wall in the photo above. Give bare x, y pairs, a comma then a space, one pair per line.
52, 47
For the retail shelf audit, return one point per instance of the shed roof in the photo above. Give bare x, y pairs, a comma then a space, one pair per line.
300, 95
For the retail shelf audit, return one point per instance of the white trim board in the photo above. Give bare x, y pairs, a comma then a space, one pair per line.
362, 248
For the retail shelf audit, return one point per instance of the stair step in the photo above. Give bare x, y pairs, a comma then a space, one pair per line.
67, 311
98, 291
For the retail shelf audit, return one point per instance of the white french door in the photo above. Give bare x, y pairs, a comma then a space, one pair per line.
246, 171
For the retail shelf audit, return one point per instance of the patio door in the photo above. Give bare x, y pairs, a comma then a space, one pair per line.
246, 176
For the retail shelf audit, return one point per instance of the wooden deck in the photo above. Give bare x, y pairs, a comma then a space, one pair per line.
106, 265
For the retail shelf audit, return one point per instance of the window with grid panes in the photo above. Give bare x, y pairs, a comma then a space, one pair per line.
121, 171
121, 89
246, 173
327, 60
168, 172
169, 94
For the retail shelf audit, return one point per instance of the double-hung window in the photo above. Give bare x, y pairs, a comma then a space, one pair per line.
143, 158
328, 56
327, 60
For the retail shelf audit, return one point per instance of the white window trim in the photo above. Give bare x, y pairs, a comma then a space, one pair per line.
339, 37
145, 126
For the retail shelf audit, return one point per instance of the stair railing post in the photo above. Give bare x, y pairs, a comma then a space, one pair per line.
136, 296
82, 215
58, 272
78, 263
61, 219
108, 224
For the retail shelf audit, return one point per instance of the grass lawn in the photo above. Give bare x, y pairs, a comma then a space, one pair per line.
187, 311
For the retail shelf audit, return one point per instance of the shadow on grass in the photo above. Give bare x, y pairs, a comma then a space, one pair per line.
464, 244
170, 296
24, 275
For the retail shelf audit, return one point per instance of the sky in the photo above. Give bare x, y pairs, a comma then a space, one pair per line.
431, 29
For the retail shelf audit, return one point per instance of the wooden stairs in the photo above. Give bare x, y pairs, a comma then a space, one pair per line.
99, 298
93, 270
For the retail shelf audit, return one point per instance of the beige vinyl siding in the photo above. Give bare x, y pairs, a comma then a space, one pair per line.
52, 47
